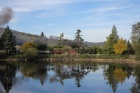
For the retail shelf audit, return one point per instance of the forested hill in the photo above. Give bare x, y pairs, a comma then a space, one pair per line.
22, 37
94, 43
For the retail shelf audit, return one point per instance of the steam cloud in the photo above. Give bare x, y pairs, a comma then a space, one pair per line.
6, 14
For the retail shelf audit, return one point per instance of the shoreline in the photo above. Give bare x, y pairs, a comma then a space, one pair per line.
100, 60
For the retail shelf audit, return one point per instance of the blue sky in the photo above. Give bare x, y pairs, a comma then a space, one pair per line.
94, 18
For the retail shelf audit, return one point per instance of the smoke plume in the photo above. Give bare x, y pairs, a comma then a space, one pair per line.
6, 15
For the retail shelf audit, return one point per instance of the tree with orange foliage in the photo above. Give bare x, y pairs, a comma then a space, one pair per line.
28, 45
120, 46
30, 50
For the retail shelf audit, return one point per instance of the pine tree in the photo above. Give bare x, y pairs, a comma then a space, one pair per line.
8, 41
42, 34
130, 50
78, 39
111, 40
60, 39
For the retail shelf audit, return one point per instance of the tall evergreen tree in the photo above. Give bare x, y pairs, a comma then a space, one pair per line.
129, 50
111, 40
135, 37
42, 34
8, 41
78, 39
60, 39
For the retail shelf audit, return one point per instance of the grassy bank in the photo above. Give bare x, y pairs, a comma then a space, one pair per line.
74, 57
90, 56
93, 58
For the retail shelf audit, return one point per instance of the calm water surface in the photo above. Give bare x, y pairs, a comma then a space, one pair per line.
69, 78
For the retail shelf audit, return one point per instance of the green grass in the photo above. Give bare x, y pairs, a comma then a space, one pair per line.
90, 56
69, 56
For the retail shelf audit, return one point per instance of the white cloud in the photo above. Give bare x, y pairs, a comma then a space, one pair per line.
21, 9
34, 5
105, 9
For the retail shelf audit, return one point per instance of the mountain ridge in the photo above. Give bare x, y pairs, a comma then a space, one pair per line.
22, 37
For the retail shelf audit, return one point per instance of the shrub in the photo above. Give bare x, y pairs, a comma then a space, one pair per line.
31, 53
27, 45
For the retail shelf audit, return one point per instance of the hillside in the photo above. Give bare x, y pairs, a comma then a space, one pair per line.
22, 37
94, 43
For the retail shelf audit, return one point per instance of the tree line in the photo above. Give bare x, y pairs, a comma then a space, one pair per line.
113, 44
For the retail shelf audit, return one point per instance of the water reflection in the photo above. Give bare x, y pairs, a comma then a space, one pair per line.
136, 86
7, 76
117, 74
63, 72
34, 71
49, 74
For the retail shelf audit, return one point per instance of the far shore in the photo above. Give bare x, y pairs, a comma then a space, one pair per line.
128, 61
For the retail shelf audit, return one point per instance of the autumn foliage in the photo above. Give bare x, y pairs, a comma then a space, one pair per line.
30, 50
120, 46
120, 75
28, 45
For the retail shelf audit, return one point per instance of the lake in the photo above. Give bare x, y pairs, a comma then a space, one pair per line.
63, 77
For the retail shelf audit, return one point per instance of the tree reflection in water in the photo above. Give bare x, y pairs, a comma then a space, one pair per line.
117, 73
112, 73
35, 71
7, 76
120, 75
136, 86
69, 71
109, 76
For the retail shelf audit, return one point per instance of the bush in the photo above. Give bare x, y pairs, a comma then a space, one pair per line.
31, 53
28, 45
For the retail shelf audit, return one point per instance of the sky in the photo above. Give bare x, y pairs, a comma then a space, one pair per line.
95, 18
